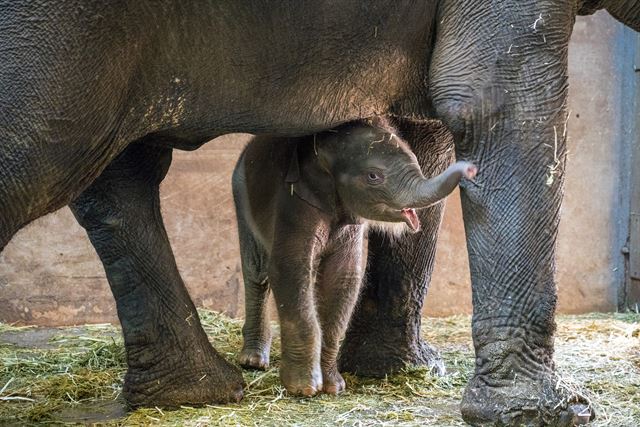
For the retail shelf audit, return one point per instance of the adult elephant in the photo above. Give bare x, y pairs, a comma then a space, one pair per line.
95, 95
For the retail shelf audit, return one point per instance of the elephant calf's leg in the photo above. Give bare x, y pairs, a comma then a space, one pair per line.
170, 360
290, 279
256, 332
339, 281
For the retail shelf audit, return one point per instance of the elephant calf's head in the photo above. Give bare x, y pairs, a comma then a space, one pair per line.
377, 176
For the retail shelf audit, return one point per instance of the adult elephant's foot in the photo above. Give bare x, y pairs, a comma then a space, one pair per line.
376, 349
192, 376
540, 401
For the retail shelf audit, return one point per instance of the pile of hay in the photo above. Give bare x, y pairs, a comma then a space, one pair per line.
75, 374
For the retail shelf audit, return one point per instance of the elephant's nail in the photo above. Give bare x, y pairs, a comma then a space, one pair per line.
332, 389
309, 391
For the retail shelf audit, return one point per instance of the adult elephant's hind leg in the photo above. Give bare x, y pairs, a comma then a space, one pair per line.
384, 333
170, 360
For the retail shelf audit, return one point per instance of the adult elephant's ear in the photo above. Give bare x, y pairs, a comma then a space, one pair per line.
316, 187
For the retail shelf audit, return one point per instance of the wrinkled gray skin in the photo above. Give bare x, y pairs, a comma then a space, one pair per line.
94, 96
302, 206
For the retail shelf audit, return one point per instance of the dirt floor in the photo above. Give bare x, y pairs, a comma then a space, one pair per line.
73, 375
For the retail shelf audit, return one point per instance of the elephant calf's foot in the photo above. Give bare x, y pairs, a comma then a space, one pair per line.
542, 401
251, 358
180, 379
376, 353
300, 380
332, 381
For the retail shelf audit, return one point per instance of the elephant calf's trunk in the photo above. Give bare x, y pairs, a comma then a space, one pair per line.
433, 190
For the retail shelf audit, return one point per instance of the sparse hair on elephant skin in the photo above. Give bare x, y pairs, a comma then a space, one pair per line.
303, 206
393, 230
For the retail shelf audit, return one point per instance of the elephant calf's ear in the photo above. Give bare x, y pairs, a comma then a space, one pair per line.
320, 194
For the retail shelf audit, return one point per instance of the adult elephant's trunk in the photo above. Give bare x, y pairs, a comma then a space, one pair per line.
430, 191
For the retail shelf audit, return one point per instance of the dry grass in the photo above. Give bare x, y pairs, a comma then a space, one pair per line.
76, 376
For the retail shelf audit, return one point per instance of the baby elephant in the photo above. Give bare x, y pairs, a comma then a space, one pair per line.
303, 205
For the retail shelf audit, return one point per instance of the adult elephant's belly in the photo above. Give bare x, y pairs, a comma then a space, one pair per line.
306, 110
296, 110
281, 71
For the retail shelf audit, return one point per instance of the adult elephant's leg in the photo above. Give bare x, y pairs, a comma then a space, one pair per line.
170, 360
499, 80
511, 219
384, 333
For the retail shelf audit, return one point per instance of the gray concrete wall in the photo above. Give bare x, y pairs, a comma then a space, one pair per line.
49, 273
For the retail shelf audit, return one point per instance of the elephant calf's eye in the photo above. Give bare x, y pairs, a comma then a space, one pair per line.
375, 178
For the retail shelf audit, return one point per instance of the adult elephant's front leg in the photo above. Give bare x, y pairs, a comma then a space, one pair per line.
384, 332
170, 361
507, 112
511, 219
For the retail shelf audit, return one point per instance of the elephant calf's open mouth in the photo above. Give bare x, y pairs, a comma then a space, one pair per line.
411, 218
